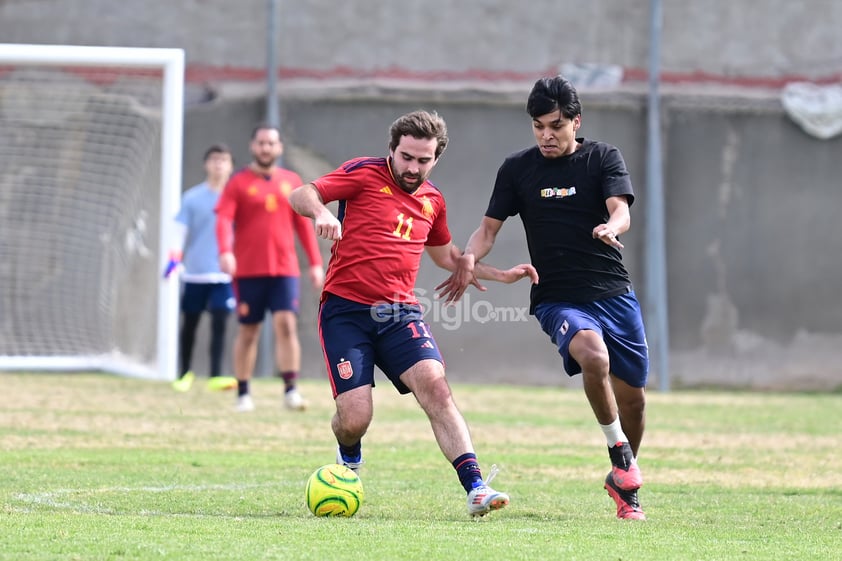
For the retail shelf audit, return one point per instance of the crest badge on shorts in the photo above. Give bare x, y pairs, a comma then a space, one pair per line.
345, 369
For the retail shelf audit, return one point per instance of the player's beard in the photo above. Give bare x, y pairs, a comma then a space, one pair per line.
410, 183
265, 161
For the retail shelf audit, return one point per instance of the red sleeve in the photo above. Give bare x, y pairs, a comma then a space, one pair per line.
339, 184
226, 207
439, 232
307, 236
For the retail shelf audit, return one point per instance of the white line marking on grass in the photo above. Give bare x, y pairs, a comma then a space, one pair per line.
54, 499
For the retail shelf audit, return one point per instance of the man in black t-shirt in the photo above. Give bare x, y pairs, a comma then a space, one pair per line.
573, 197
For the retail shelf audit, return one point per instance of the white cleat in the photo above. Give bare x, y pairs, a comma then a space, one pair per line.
245, 404
294, 401
483, 499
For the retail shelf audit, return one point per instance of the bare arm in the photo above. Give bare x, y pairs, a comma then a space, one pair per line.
306, 201
450, 258
619, 221
446, 256
482, 240
466, 271
479, 245
304, 229
225, 210
225, 242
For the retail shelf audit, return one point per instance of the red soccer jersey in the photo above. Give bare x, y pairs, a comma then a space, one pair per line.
384, 231
256, 222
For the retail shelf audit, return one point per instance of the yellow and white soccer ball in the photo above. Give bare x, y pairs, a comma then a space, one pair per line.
334, 490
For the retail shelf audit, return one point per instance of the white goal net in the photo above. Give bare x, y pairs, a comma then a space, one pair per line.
90, 173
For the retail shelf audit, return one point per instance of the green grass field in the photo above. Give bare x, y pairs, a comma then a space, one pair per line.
108, 468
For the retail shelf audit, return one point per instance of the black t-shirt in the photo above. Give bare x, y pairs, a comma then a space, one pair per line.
560, 201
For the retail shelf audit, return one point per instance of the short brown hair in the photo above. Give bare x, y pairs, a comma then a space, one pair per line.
419, 124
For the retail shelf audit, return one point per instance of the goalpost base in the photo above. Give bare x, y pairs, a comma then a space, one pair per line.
111, 364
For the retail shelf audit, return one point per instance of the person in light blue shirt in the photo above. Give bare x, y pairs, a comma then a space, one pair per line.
206, 287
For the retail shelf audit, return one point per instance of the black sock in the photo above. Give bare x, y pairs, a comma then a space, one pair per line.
242, 387
467, 468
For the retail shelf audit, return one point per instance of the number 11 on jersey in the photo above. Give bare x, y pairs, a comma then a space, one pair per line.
400, 226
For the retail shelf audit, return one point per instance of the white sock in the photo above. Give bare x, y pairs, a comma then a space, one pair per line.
614, 433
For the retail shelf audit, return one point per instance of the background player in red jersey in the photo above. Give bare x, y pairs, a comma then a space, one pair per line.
388, 215
254, 229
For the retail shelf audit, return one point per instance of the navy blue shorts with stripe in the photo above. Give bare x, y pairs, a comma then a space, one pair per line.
357, 337
256, 295
617, 320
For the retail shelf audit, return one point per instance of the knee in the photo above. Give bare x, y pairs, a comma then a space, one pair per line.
637, 401
436, 399
593, 360
248, 334
437, 391
428, 383
286, 326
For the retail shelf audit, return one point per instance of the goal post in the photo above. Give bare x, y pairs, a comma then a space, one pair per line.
90, 178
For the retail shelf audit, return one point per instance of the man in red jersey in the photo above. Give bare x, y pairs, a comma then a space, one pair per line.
388, 215
254, 230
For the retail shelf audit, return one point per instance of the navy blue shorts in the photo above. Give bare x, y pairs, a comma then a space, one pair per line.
198, 297
357, 337
617, 320
255, 295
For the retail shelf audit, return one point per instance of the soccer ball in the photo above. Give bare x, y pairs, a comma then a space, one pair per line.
334, 490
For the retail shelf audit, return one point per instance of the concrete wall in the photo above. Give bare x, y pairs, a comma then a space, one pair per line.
440, 39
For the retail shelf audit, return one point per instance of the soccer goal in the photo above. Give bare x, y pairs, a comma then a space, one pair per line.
90, 177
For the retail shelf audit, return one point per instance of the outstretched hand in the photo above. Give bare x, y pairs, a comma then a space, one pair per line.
452, 289
463, 276
607, 236
518, 272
